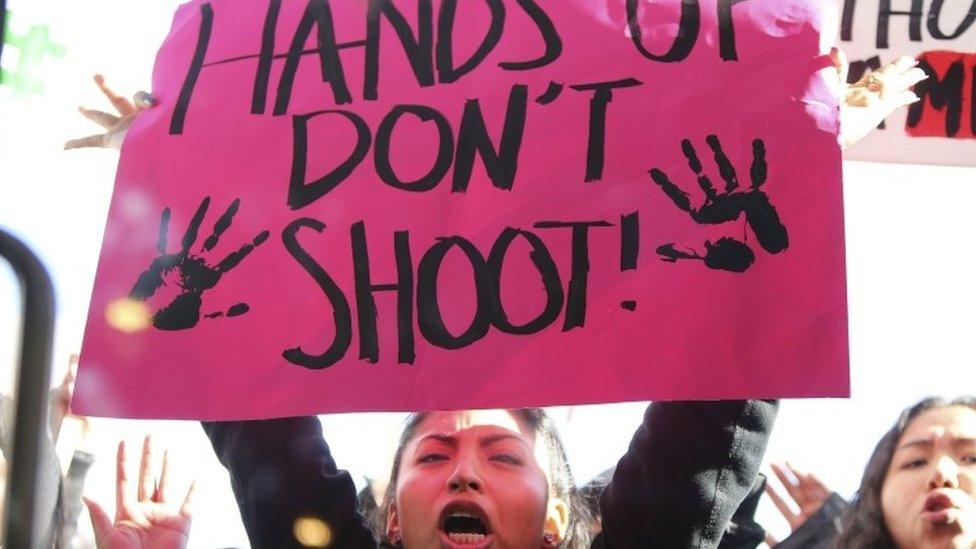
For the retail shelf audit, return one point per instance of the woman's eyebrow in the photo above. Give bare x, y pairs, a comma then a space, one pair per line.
928, 442
496, 437
964, 441
916, 443
446, 438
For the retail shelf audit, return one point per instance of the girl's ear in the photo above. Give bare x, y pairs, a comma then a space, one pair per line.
393, 525
557, 522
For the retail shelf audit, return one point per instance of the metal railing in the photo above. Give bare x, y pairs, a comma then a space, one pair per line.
33, 379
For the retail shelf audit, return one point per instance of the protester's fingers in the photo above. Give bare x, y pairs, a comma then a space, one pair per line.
121, 104
898, 66
771, 541
97, 141
897, 83
892, 103
816, 487
785, 475
800, 492
812, 492
146, 485
905, 98
900, 82
780, 504
121, 483
914, 75
186, 510
780, 472
101, 523
72, 367
162, 490
101, 118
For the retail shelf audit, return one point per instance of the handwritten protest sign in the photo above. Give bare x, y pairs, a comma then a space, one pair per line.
941, 128
350, 206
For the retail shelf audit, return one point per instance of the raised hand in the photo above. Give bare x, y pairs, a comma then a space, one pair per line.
806, 491
724, 206
151, 520
115, 126
867, 102
193, 273
59, 400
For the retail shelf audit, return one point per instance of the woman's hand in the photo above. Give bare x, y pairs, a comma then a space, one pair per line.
870, 100
806, 491
60, 399
152, 519
115, 126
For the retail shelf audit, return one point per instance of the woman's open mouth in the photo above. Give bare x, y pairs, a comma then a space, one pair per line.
465, 524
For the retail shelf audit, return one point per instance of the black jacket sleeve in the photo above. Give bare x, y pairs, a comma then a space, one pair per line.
281, 470
821, 530
689, 466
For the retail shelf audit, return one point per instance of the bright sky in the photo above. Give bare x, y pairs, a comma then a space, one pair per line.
910, 231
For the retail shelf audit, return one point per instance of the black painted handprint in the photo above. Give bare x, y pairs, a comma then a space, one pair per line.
194, 274
727, 253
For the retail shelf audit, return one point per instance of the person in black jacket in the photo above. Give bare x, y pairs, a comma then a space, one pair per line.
498, 479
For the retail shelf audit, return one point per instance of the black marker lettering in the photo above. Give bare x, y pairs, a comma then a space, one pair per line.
301, 194
858, 69
847, 21
260, 94
548, 271
596, 142
419, 49
935, 14
884, 17
688, 29
554, 44
629, 241
501, 163
726, 30
445, 148
366, 304
196, 64
972, 103
429, 317
317, 14
576, 297
340, 306
446, 70
943, 93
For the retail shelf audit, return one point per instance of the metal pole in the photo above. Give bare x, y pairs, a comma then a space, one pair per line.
33, 379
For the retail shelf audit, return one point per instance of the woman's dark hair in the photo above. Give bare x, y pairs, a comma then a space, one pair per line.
864, 525
561, 484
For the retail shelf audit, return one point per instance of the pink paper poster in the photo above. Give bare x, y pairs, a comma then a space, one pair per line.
405, 205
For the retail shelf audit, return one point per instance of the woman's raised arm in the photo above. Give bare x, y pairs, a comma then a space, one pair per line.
689, 466
284, 477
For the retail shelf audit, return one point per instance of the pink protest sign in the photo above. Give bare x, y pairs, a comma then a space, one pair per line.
352, 206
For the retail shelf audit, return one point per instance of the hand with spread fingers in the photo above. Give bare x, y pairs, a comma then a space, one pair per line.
60, 399
867, 102
806, 491
152, 520
115, 126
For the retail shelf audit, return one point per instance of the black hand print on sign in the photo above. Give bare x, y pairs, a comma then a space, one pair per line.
195, 275
727, 253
